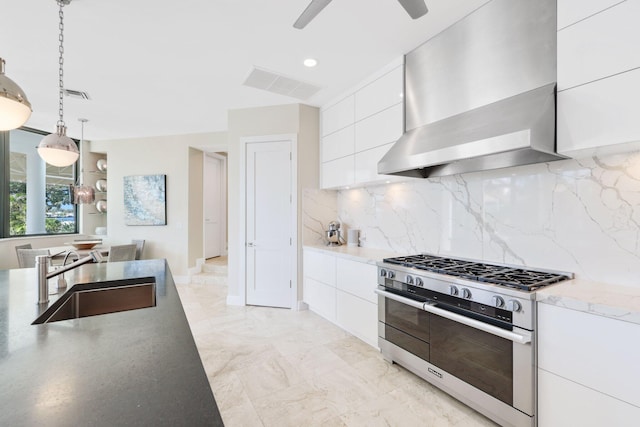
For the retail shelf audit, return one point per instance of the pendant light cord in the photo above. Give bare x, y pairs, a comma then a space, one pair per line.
61, 63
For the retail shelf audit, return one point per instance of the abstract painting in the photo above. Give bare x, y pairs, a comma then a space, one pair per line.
145, 200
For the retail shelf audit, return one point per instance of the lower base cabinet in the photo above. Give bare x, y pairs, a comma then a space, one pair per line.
358, 316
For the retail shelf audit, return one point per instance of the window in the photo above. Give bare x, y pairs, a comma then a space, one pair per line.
39, 194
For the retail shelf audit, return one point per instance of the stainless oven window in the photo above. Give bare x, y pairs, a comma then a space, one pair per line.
407, 327
476, 357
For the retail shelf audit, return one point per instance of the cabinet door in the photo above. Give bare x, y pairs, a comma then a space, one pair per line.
600, 46
357, 278
366, 164
564, 403
321, 298
598, 117
338, 116
572, 11
380, 94
319, 267
338, 144
379, 129
338, 173
598, 352
358, 316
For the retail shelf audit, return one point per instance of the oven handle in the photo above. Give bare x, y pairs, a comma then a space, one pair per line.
476, 324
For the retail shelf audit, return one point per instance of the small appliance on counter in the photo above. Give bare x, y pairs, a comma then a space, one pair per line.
333, 234
353, 237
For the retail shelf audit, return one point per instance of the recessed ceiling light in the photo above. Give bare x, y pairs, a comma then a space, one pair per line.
310, 62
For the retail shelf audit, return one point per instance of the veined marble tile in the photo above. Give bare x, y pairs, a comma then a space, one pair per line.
319, 207
269, 376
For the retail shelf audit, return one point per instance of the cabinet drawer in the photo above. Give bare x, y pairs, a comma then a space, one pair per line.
338, 144
600, 46
572, 11
320, 267
338, 116
380, 94
357, 278
601, 114
321, 298
358, 316
380, 129
595, 351
564, 403
338, 173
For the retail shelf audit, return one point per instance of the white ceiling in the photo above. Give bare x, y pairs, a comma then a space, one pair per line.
158, 67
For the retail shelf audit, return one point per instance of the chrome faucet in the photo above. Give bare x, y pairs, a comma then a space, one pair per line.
42, 269
62, 283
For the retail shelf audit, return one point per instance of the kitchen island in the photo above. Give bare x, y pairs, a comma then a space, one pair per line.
139, 367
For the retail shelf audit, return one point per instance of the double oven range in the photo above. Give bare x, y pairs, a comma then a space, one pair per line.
467, 327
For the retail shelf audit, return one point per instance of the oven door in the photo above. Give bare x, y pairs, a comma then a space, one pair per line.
496, 361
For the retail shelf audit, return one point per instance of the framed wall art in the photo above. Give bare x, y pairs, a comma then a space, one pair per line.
145, 201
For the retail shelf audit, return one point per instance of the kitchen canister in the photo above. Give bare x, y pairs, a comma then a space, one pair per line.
353, 237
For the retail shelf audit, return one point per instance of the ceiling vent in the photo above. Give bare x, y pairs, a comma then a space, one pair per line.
282, 85
78, 94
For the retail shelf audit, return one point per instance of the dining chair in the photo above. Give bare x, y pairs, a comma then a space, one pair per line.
25, 246
27, 257
122, 253
139, 247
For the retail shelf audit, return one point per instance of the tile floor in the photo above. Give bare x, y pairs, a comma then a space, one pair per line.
276, 367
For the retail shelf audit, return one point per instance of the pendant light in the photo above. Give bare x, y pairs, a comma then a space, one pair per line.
82, 194
15, 108
57, 148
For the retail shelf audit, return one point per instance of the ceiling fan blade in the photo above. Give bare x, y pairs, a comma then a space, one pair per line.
415, 8
310, 12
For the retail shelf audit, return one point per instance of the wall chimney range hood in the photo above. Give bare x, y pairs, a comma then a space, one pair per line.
481, 94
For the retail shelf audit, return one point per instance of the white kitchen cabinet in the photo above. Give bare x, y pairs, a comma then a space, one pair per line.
342, 291
376, 114
338, 173
572, 11
598, 78
380, 94
379, 129
319, 284
338, 116
601, 46
338, 144
585, 356
562, 402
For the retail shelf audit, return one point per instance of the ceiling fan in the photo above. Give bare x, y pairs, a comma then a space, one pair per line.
415, 9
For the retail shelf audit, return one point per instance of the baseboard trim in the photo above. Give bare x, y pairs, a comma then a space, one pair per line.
302, 306
235, 300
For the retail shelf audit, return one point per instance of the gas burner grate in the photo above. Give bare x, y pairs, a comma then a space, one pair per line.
528, 280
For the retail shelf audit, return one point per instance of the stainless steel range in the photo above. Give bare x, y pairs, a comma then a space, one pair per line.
466, 327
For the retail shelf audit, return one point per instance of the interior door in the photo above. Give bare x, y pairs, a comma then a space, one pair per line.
269, 223
213, 206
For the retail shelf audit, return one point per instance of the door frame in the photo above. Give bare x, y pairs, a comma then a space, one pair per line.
293, 138
223, 196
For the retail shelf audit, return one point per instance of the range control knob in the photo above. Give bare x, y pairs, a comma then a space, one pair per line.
513, 305
497, 301
383, 272
391, 274
408, 280
465, 293
419, 282
453, 290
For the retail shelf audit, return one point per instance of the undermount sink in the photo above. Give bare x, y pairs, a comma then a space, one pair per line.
92, 299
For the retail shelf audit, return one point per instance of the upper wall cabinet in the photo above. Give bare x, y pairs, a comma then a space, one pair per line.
598, 76
359, 129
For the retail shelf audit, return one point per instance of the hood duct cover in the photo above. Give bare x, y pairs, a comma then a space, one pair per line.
515, 131
481, 94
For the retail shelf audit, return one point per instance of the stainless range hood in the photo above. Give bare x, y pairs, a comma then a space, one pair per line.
481, 94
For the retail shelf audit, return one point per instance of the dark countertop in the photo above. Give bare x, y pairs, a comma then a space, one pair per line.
132, 368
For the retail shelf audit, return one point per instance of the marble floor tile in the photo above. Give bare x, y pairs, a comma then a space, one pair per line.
275, 367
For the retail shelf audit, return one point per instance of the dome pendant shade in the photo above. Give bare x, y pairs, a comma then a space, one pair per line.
58, 149
15, 109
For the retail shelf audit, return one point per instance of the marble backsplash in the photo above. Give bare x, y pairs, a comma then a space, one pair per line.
576, 215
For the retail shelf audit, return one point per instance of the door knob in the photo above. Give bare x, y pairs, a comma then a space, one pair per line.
250, 244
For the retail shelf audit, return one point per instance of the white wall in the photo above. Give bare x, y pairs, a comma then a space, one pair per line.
169, 155
296, 119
